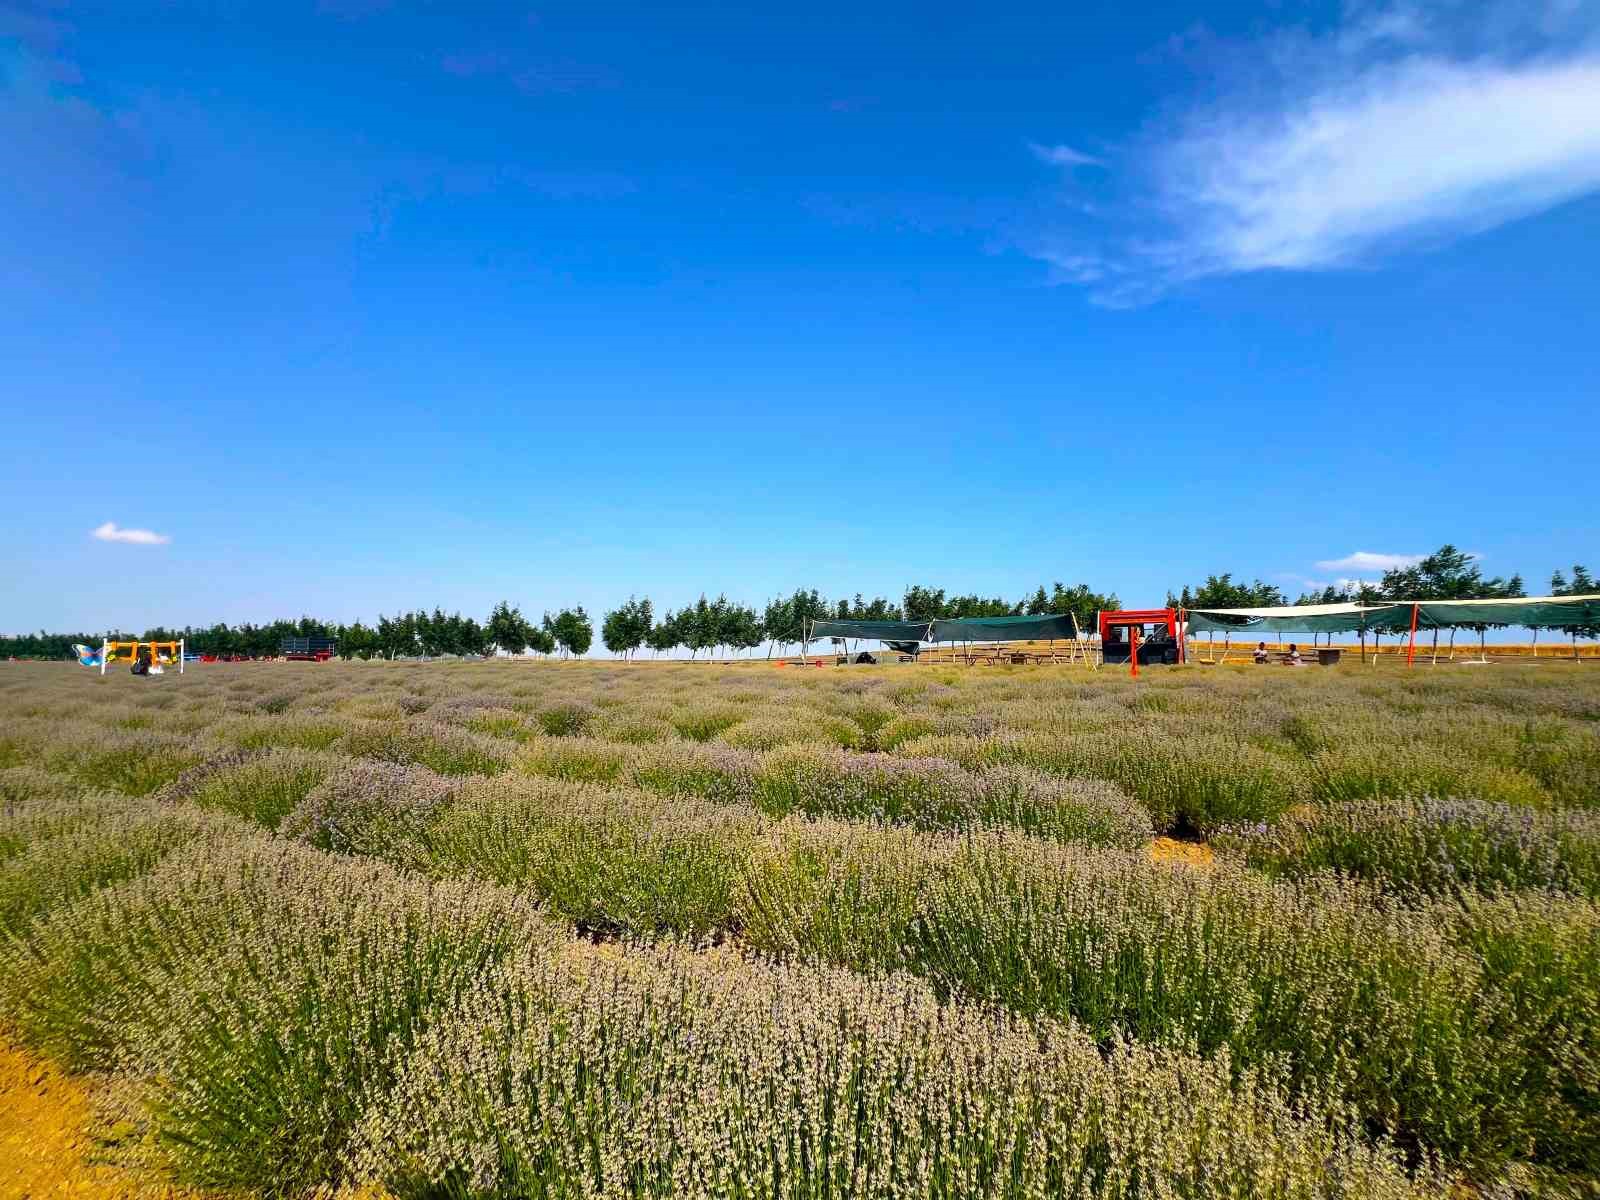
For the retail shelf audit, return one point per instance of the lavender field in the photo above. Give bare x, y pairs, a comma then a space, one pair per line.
533, 929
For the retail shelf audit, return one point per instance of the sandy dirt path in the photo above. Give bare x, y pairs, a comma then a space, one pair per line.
44, 1149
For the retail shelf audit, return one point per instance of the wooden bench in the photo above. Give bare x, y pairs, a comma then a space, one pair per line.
1323, 656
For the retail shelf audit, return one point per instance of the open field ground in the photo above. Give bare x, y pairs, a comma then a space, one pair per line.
535, 929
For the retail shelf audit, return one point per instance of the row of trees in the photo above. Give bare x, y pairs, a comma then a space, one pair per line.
435, 635
722, 625
725, 625
405, 635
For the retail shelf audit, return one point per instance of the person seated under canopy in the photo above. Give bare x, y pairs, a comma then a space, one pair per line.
1260, 654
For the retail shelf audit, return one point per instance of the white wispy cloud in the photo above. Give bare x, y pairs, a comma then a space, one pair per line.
1418, 149
112, 532
1408, 126
1063, 156
1366, 560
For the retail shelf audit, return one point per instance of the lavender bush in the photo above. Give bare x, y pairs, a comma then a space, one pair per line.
654, 1073
256, 993
1431, 847
377, 808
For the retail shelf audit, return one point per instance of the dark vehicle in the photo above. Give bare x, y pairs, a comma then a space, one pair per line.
308, 649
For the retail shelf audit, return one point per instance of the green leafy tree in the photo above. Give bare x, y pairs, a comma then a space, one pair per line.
779, 621
642, 619
1446, 574
580, 632
809, 607
1581, 584
789, 619
614, 633
1220, 591
541, 640
507, 629
474, 637
1083, 603
923, 603
570, 629
624, 630
699, 626
739, 628
357, 641
879, 608
665, 635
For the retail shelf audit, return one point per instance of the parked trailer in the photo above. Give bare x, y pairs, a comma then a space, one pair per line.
308, 649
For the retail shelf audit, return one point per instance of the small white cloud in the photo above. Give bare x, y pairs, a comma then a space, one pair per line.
1063, 156
1366, 560
112, 532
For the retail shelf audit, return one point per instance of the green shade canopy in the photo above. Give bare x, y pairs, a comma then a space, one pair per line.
1042, 628
883, 631
965, 629
1545, 611
1298, 618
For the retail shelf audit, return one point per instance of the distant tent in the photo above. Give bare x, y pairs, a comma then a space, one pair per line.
882, 631
1547, 611
963, 629
1430, 614
1004, 629
1305, 618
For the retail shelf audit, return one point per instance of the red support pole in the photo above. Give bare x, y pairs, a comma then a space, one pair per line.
1133, 652
1411, 651
1183, 635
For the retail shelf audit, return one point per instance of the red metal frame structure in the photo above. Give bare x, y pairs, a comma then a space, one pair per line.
1140, 616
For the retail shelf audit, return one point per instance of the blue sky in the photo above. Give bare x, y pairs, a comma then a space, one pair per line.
358, 306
